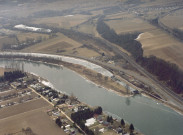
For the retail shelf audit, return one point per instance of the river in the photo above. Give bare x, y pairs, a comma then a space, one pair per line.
147, 115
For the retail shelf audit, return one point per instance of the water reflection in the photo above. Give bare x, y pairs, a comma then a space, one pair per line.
127, 101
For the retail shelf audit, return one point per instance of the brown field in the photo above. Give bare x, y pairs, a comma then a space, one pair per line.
22, 108
1, 71
24, 35
128, 24
174, 20
30, 114
158, 43
7, 40
154, 41
56, 42
17, 99
61, 45
37, 120
62, 21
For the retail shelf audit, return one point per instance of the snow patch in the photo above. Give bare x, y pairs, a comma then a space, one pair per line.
48, 84
34, 29
68, 15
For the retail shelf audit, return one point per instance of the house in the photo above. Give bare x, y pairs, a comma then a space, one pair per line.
72, 131
68, 101
67, 126
119, 130
105, 123
55, 101
90, 122
101, 130
135, 92
75, 109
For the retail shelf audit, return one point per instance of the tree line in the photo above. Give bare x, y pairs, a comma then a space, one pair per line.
11, 76
165, 71
81, 116
178, 33
126, 41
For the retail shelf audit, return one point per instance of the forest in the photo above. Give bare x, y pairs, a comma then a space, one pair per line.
126, 41
11, 76
166, 72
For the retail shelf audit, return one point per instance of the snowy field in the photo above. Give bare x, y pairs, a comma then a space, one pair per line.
34, 29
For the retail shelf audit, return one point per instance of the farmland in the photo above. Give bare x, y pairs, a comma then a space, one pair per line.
173, 20
31, 114
127, 23
164, 46
74, 32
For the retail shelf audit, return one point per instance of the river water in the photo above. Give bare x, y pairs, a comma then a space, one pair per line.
147, 115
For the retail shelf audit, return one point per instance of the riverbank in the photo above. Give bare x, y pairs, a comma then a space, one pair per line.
89, 74
68, 109
133, 109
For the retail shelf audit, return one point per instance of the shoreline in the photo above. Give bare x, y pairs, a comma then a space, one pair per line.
166, 103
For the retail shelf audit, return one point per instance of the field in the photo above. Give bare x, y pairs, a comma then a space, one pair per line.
61, 45
174, 20
127, 23
36, 119
160, 44
88, 28
1, 71
22, 36
27, 114
67, 21
7, 40
154, 40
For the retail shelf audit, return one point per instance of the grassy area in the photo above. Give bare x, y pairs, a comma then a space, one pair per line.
88, 28
97, 78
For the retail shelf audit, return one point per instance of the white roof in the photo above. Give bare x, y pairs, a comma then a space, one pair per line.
67, 126
90, 122
101, 130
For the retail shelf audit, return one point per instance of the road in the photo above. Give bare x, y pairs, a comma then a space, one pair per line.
56, 107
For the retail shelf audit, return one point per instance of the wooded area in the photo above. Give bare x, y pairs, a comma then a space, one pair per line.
126, 41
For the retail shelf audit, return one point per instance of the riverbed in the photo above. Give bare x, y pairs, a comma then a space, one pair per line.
147, 115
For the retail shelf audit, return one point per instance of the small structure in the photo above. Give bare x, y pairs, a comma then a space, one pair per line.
90, 122
119, 130
101, 130
105, 123
55, 101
